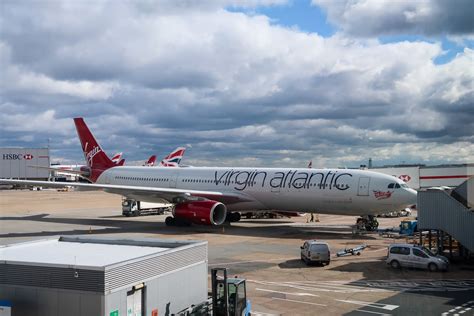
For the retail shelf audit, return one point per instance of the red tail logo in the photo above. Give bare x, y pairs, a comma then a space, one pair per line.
90, 155
95, 157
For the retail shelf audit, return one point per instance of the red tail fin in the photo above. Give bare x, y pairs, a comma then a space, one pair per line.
96, 158
151, 161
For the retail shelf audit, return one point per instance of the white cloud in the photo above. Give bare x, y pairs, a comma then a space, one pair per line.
387, 17
232, 85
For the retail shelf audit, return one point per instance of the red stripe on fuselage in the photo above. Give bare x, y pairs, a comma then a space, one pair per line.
443, 177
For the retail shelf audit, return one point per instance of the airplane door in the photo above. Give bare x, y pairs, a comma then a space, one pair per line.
173, 180
363, 189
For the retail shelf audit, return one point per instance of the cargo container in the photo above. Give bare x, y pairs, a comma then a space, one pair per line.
20, 163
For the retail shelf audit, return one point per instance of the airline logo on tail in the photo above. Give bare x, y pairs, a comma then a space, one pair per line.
116, 158
95, 157
173, 159
151, 161
91, 154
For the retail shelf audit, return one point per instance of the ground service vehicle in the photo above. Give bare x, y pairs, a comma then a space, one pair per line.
315, 251
228, 298
138, 208
413, 256
229, 295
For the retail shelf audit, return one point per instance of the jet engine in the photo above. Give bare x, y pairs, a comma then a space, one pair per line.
204, 212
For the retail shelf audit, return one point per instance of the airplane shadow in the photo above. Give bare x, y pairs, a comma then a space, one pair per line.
120, 224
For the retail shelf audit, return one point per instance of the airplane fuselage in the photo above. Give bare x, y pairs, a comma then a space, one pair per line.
326, 191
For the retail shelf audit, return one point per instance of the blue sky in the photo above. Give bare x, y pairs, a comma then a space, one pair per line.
301, 14
313, 19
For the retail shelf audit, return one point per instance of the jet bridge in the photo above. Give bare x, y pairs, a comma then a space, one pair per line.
450, 212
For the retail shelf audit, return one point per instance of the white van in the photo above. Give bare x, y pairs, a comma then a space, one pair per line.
315, 251
413, 256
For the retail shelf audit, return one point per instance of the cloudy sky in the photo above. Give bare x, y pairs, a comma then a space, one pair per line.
242, 83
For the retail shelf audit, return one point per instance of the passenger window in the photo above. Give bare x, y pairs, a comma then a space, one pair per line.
390, 186
395, 250
419, 253
405, 251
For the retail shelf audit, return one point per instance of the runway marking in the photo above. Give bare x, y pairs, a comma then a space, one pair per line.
287, 293
248, 261
252, 312
319, 287
371, 304
364, 311
458, 310
296, 301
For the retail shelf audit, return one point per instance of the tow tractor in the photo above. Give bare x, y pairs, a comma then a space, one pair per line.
228, 298
368, 222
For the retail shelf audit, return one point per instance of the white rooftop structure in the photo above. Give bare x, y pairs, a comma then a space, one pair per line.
73, 254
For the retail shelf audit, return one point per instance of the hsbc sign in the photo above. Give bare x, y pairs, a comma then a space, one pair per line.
17, 156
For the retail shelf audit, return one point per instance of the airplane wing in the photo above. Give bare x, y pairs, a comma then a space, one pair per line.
169, 194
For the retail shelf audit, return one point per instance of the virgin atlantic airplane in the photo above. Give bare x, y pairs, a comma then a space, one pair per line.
209, 195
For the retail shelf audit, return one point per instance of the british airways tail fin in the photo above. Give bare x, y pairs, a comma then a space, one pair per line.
174, 158
96, 159
116, 158
151, 161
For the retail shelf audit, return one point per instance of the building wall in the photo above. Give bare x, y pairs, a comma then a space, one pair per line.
445, 175
14, 163
31, 301
432, 176
168, 293
411, 175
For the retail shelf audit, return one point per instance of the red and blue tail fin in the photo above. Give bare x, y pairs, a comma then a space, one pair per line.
174, 158
96, 158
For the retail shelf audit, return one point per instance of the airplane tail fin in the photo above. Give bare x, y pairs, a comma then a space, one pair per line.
121, 162
174, 158
96, 159
151, 161
116, 158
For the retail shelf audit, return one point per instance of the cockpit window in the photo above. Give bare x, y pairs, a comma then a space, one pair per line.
390, 186
397, 186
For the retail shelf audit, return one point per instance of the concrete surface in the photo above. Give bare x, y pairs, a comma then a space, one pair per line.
265, 252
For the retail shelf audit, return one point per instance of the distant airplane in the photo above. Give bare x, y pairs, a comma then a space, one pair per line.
174, 158
116, 158
151, 161
205, 195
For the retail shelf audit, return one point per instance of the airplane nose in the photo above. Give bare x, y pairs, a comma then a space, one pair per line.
412, 196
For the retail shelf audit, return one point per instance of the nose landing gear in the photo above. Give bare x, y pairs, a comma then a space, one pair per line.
369, 222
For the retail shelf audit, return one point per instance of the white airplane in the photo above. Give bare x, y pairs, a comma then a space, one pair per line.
205, 195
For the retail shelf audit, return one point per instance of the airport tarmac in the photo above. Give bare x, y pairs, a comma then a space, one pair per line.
265, 252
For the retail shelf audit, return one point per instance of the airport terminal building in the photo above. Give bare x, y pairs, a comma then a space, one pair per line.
21, 163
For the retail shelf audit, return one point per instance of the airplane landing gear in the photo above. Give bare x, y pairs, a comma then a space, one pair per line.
369, 222
233, 217
173, 221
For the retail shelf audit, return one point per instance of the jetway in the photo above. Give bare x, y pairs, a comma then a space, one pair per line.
451, 212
